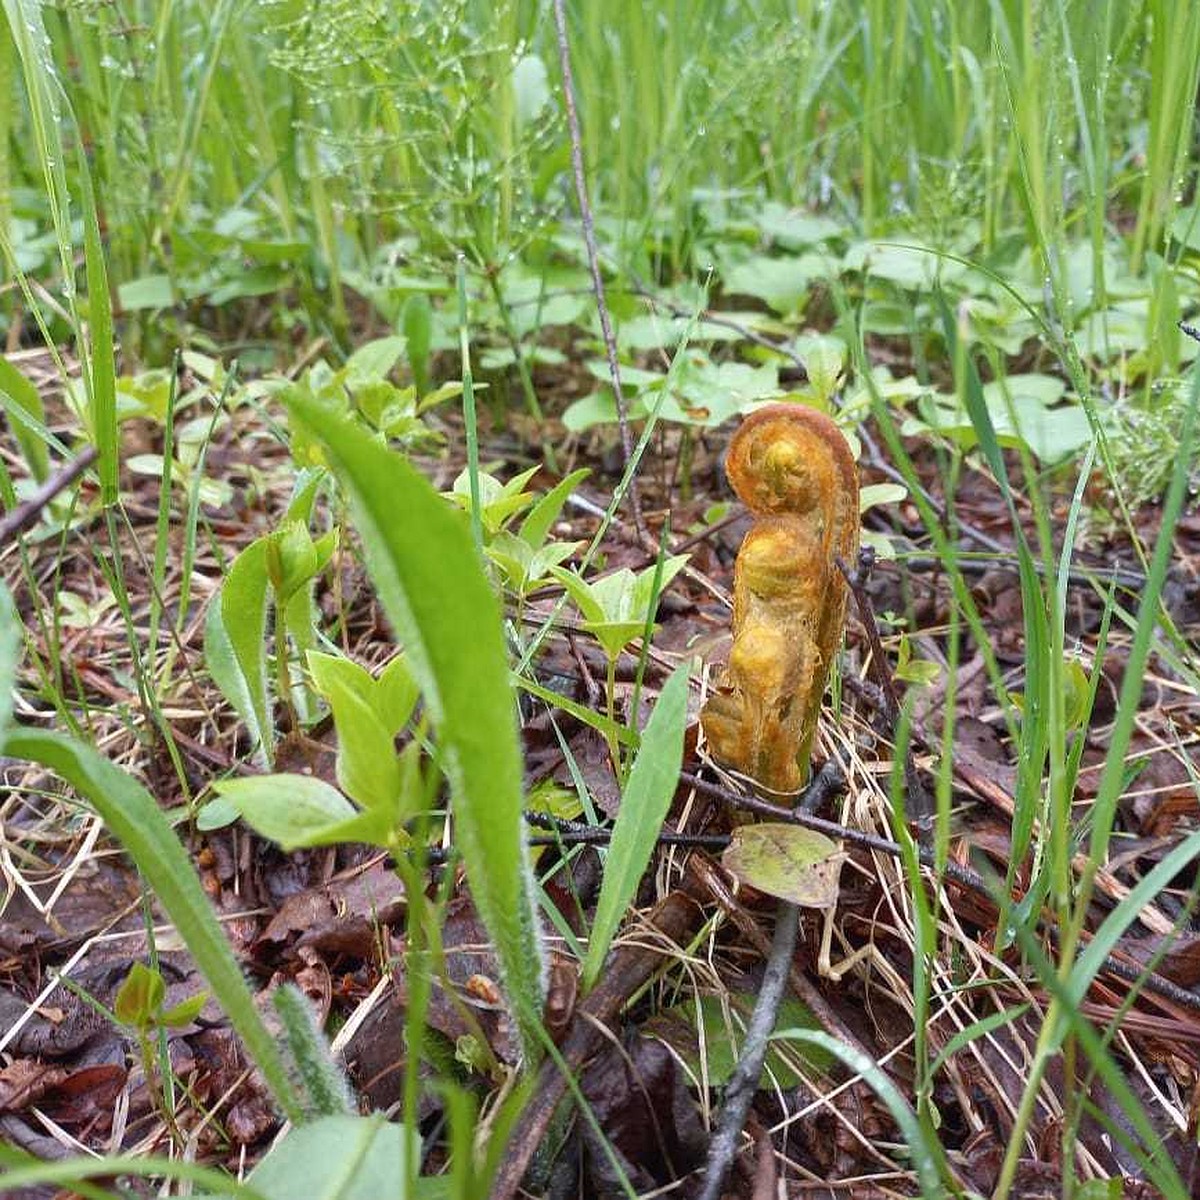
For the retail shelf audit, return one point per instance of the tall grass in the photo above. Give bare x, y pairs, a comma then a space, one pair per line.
214, 129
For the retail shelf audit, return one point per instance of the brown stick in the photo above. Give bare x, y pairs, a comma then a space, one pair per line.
952, 872
25, 514
675, 918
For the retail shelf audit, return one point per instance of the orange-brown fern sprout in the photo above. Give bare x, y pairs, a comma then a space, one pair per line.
792, 469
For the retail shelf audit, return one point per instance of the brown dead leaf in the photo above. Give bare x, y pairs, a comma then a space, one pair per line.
25, 1081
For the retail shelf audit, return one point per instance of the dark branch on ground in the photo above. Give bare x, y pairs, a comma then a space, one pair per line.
674, 919
743, 1083
25, 515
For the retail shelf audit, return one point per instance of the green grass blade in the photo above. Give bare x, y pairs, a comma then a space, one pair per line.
135, 819
17, 390
235, 637
925, 1158
1091, 961
425, 565
28, 1173
647, 796
1129, 705
102, 379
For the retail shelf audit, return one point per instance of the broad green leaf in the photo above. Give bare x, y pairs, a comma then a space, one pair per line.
498, 502
536, 525
373, 360
824, 361
880, 493
396, 694
336, 672
912, 267
583, 593
782, 283
615, 607
343, 1158
531, 88
795, 227
135, 819
146, 292
681, 1028
600, 409
22, 395
708, 394
291, 559
300, 811
140, 996
391, 697
644, 804
183, 1013
787, 861
1076, 694
1047, 390
633, 379
614, 636
367, 768
424, 564
235, 644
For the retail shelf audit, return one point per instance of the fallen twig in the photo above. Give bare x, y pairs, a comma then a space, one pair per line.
743, 1083
25, 514
675, 918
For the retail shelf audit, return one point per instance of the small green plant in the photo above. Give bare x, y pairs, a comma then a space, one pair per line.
379, 789
140, 1006
617, 609
276, 571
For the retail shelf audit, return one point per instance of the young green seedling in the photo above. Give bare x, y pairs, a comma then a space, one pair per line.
139, 1006
616, 609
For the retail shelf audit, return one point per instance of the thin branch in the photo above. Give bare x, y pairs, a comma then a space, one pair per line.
743, 1083
25, 514
589, 238
953, 872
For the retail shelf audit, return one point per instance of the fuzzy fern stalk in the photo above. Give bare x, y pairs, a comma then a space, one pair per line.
319, 1081
792, 468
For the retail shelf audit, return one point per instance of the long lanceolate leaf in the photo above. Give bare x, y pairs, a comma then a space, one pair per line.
432, 587
235, 637
652, 784
135, 819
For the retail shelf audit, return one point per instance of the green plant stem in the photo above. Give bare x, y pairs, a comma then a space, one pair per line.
610, 689
469, 416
